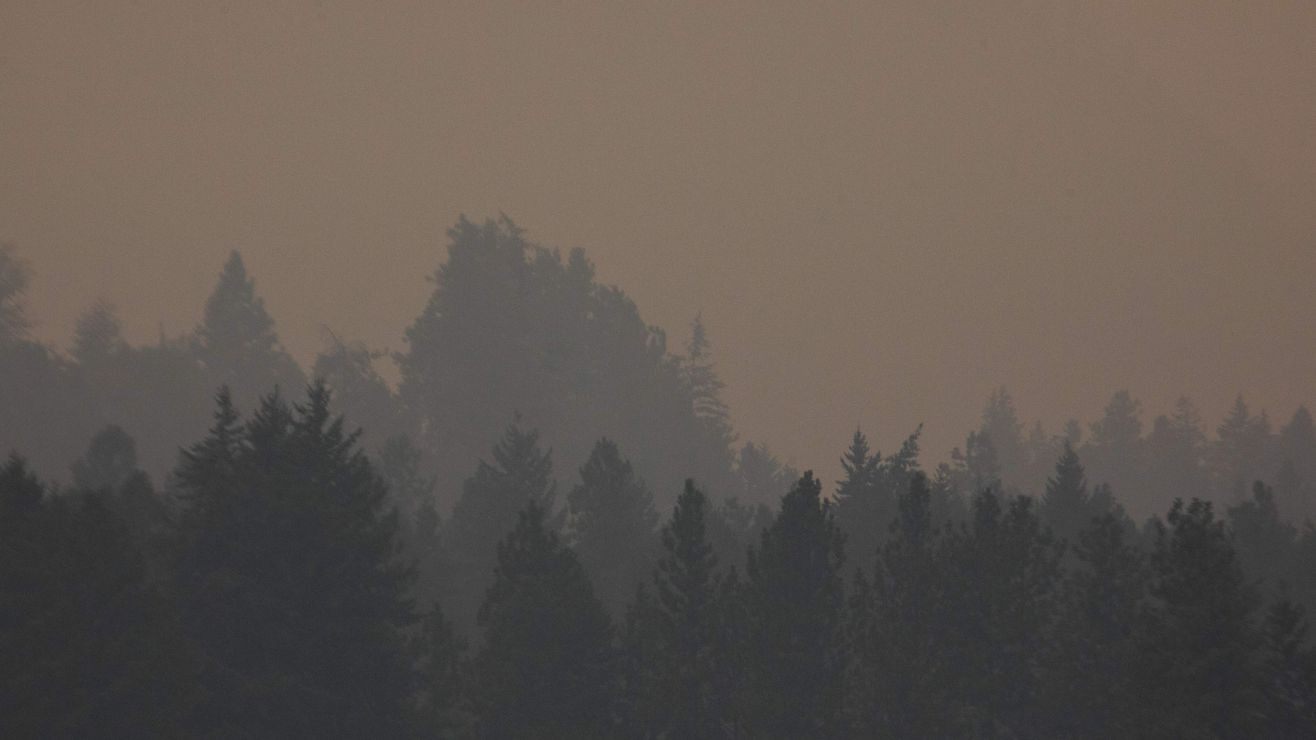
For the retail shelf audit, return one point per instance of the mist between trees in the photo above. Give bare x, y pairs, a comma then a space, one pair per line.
550, 528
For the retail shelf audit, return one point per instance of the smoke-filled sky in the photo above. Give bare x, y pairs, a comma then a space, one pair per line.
883, 210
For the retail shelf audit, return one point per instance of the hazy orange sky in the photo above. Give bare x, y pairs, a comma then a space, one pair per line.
883, 210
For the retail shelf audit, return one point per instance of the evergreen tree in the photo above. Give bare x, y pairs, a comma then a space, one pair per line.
613, 522
1094, 657
1004, 572
1289, 665
899, 676
860, 504
679, 670
1066, 506
360, 393
412, 494
1000, 423
14, 277
1176, 454
98, 334
289, 578
1296, 480
1198, 651
795, 597
444, 707
87, 649
1239, 455
1116, 452
548, 667
520, 474
236, 342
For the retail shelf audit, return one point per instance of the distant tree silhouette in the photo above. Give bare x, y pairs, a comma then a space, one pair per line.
1239, 455
520, 473
236, 342
613, 524
98, 334
14, 277
548, 667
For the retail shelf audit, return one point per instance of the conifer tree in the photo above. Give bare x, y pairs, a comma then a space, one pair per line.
98, 334
683, 685
613, 522
899, 676
1289, 666
236, 341
1094, 655
286, 550
520, 473
548, 667
1199, 670
1004, 572
795, 597
14, 277
87, 648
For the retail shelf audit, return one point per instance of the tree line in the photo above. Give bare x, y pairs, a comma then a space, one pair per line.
364, 560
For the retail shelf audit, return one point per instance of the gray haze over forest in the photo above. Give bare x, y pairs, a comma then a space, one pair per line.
883, 211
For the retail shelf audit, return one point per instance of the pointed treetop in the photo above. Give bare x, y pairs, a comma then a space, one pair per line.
98, 333
235, 320
14, 276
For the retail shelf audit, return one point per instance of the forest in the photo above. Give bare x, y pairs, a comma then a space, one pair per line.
547, 526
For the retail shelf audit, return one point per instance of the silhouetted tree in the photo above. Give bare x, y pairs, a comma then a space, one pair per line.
613, 524
87, 649
548, 667
679, 663
236, 342
14, 277
521, 473
289, 577
1200, 673
795, 596
1239, 455
1000, 424
1094, 657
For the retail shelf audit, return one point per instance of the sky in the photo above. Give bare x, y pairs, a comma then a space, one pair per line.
881, 210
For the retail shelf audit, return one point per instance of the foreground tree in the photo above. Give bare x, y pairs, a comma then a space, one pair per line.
288, 577
1200, 674
548, 667
87, 648
679, 659
794, 597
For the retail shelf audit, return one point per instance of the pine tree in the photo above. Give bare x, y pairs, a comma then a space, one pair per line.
1289, 668
1004, 572
795, 596
236, 341
1000, 423
14, 277
1239, 455
87, 649
861, 508
1089, 690
1199, 672
682, 686
613, 521
520, 474
899, 676
98, 334
289, 577
548, 667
